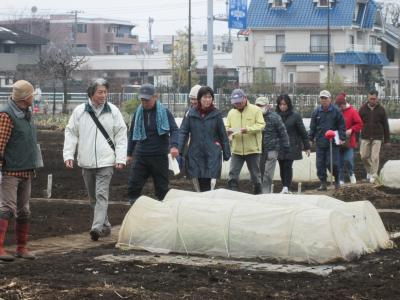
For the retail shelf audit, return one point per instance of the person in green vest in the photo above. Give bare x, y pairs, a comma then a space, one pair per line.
18, 155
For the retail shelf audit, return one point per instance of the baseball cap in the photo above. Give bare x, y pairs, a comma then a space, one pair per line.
146, 91
237, 96
325, 93
262, 101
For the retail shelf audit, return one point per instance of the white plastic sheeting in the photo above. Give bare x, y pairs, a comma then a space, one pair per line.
389, 174
304, 170
363, 214
197, 223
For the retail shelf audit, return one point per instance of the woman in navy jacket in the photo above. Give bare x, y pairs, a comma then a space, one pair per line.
208, 142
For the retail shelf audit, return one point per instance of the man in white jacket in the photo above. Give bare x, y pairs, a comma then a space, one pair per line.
98, 154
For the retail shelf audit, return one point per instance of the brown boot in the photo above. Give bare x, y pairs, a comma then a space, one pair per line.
3, 229
21, 231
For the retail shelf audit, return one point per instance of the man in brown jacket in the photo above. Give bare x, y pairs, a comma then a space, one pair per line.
376, 130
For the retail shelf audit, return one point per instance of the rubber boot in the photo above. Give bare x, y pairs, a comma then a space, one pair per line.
21, 231
3, 229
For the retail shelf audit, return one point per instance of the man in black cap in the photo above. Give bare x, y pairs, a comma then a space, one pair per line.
152, 135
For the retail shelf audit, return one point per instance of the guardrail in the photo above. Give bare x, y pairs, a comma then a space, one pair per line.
178, 103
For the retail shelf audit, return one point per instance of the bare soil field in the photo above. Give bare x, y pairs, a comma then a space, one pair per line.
77, 273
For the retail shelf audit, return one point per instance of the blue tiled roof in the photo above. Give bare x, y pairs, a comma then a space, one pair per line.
351, 58
306, 14
343, 58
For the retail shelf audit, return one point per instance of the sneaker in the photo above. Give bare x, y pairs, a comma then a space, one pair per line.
322, 187
341, 182
285, 190
353, 179
368, 177
94, 235
25, 254
372, 179
106, 231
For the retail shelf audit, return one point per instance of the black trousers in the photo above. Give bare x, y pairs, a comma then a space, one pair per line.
286, 170
142, 168
204, 184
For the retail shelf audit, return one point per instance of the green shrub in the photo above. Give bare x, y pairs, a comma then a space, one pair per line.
130, 106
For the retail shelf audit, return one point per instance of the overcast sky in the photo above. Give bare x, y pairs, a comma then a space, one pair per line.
169, 15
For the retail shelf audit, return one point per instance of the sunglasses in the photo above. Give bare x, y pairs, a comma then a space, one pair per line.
323, 97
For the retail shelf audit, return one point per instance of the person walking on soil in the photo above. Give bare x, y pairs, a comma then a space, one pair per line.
326, 117
18, 152
208, 140
244, 125
275, 137
354, 125
298, 140
152, 135
375, 131
98, 129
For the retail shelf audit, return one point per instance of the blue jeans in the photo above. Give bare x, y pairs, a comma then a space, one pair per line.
324, 164
346, 158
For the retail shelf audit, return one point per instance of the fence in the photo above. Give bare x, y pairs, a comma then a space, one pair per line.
178, 103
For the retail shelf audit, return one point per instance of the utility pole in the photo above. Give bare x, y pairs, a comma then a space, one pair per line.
75, 25
210, 44
329, 43
190, 49
150, 46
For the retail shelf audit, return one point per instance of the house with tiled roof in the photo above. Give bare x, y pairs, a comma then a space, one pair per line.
17, 48
296, 41
391, 48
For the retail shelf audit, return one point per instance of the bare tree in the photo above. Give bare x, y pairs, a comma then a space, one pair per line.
59, 62
179, 62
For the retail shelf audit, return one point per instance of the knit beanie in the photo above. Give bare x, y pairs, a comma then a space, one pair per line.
22, 89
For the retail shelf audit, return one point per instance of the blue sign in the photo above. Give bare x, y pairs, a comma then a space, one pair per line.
237, 14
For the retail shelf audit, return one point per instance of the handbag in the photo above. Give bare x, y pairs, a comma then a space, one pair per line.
102, 130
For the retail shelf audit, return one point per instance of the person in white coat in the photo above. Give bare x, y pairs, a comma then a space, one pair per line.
98, 153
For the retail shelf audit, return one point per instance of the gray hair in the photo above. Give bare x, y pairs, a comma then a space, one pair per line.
94, 84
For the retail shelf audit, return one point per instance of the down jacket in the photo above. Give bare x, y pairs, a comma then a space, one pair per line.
93, 149
208, 144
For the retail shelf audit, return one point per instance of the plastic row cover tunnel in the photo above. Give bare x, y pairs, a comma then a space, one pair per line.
231, 224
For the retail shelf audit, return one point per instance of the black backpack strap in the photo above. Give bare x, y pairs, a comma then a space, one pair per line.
102, 130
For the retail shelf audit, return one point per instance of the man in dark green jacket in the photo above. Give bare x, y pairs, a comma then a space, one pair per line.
18, 155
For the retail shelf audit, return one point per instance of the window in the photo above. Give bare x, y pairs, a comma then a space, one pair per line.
167, 48
319, 43
390, 53
81, 28
323, 3
204, 47
8, 49
81, 45
280, 43
277, 3
274, 43
265, 75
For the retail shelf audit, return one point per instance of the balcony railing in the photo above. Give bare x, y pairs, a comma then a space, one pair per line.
364, 48
319, 49
272, 49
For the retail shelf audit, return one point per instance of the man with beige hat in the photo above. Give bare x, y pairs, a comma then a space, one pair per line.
18, 155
